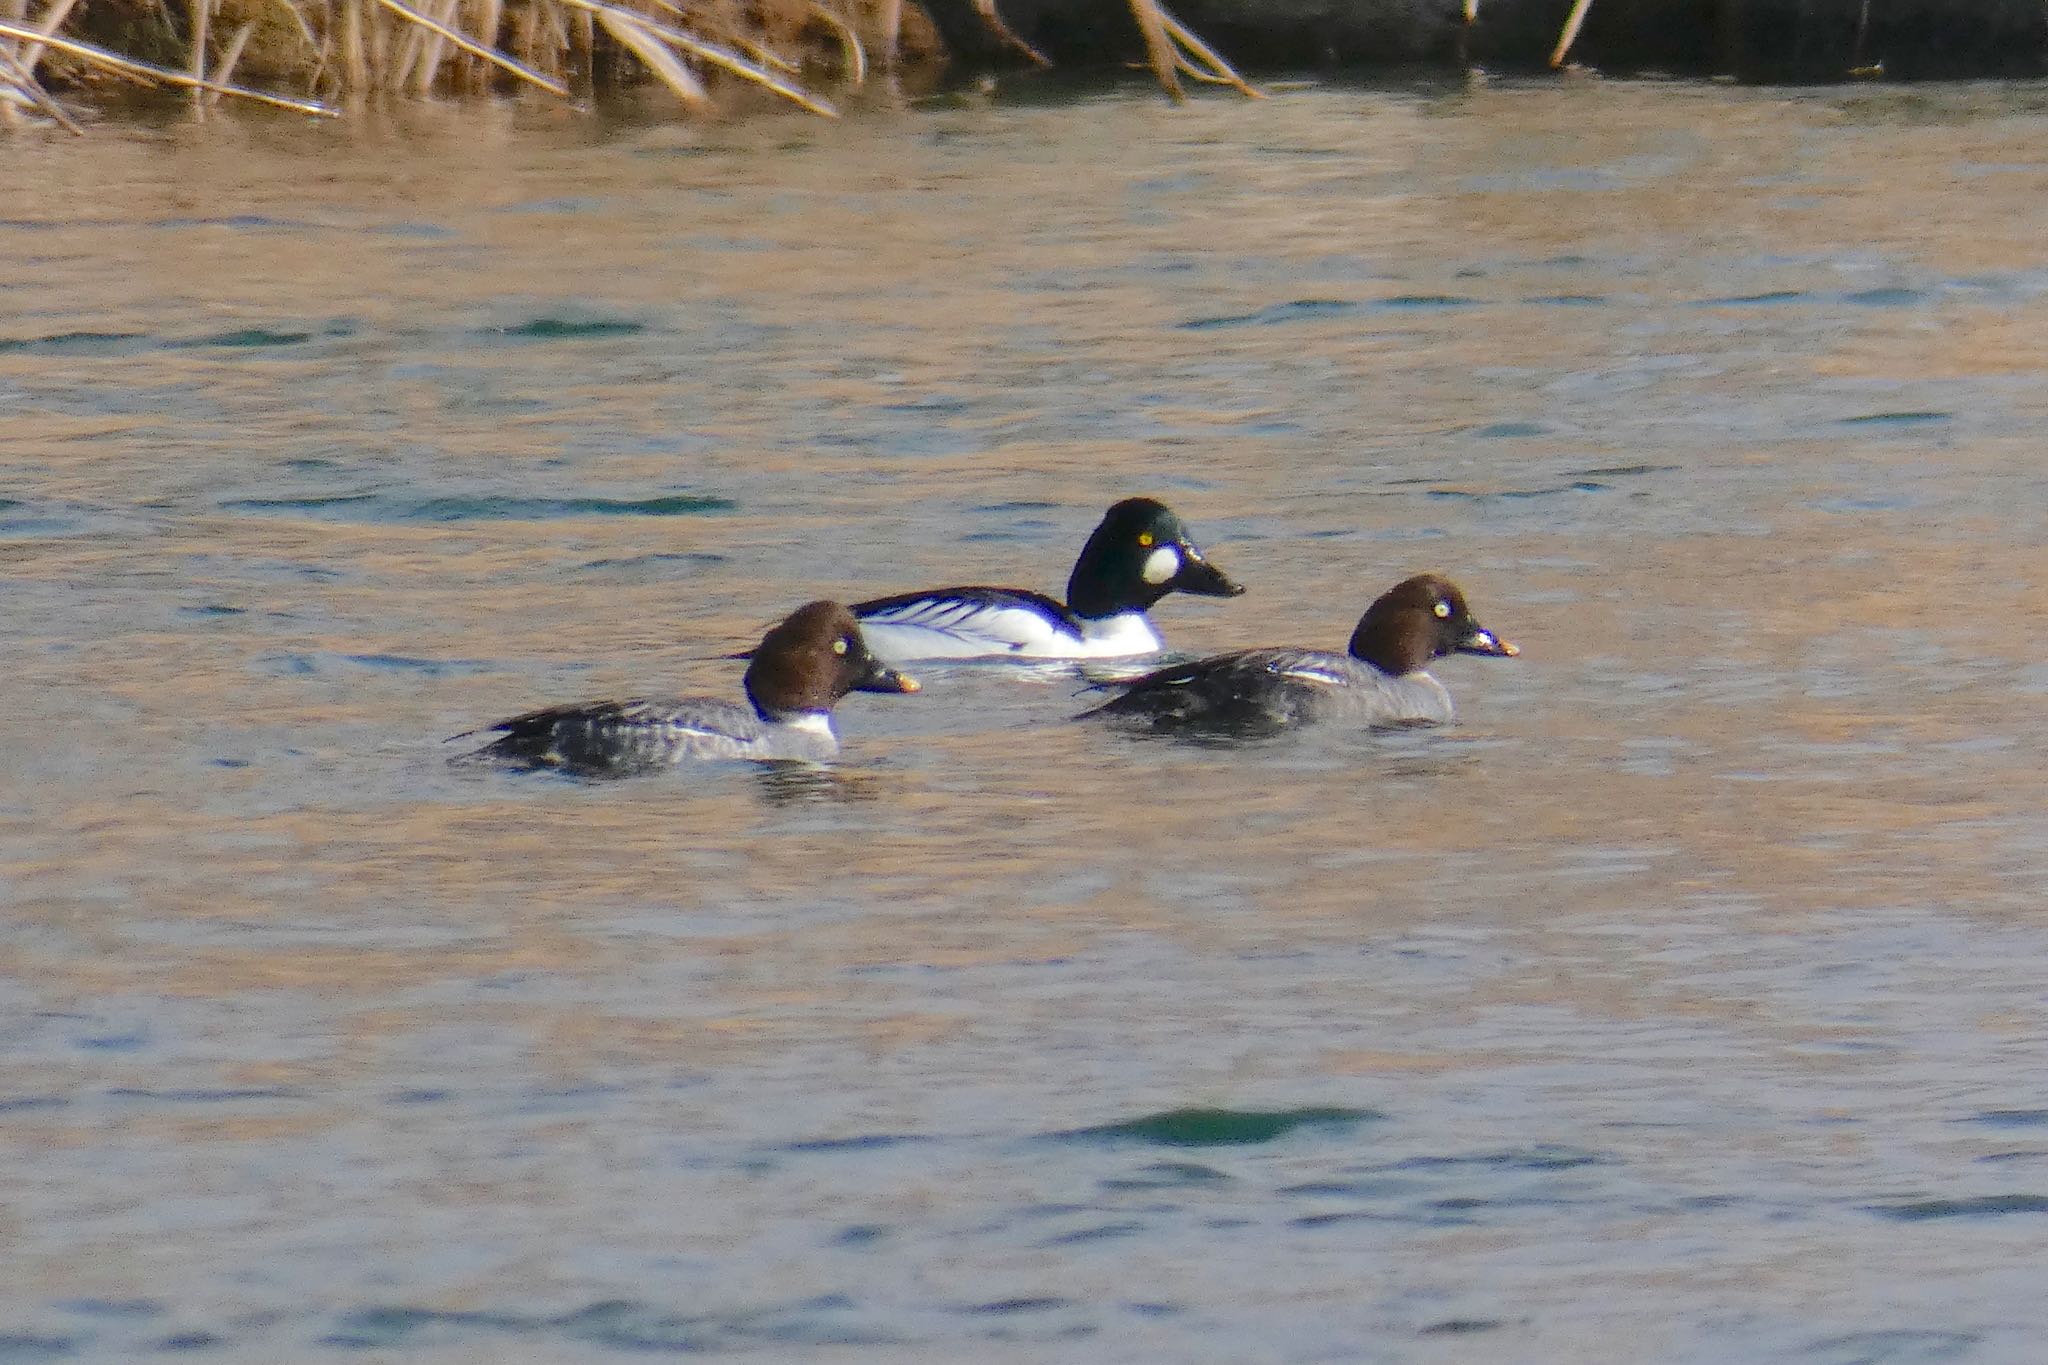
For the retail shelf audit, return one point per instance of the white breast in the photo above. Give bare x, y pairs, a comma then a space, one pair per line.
805, 736
1115, 637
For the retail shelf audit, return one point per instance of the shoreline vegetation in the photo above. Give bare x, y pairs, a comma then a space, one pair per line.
343, 51
319, 57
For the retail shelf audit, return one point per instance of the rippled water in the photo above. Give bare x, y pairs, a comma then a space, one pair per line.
1684, 1003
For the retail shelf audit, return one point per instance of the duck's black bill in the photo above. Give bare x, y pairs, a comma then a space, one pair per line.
1484, 641
1198, 576
881, 678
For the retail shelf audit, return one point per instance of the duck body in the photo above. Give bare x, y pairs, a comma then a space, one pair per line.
1382, 681
983, 623
1139, 553
647, 733
1260, 689
798, 672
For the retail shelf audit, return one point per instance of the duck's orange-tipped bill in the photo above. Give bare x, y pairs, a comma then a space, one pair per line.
1484, 641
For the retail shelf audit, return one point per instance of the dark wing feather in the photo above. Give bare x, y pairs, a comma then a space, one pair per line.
974, 598
534, 724
1252, 688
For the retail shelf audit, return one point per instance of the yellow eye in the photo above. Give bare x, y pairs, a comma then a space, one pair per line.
1144, 540
1443, 610
839, 645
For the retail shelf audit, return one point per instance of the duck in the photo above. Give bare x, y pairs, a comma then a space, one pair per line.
1139, 553
801, 668
1383, 680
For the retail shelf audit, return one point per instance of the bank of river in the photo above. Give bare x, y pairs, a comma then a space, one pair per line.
821, 59
1775, 40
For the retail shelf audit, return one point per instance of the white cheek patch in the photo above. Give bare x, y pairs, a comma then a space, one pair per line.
1162, 564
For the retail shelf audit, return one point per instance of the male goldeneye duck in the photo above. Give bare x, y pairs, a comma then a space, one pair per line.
1139, 554
801, 667
1384, 680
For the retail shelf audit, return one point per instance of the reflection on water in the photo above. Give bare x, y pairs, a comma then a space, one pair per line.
796, 784
1682, 1003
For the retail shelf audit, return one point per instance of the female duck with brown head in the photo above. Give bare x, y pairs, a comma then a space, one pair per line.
800, 669
1383, 681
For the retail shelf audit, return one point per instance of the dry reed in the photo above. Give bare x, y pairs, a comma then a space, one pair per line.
1570, 33
340, 51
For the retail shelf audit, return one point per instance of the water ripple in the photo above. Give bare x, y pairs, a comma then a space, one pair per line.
1901, 1347
1220, 1127
26, 1347
1898, 419
80, 343
569, 329
620, 1324
1981, 1206
378, 507
2010, 1118
225, 1095
1298, 310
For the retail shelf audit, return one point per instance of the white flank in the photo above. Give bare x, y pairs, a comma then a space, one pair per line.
946, 628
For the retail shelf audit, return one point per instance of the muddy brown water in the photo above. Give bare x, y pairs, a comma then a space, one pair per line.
1685, 1002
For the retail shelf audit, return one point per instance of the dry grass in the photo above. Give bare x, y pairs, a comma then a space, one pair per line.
328, 53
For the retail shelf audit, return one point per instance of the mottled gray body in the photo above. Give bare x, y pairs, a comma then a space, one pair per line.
1271, 688
624, 737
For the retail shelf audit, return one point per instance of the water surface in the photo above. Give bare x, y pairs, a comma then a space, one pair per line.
1683, 1003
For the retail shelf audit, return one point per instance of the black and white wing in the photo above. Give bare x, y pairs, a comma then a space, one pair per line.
967, 623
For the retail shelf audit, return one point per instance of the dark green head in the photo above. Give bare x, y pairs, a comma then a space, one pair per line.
1139, 554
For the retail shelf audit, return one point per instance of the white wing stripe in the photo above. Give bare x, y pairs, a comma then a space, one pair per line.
1305, 673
